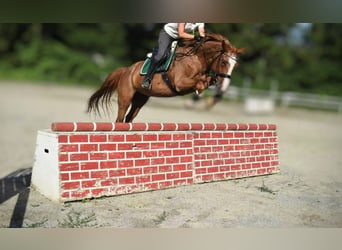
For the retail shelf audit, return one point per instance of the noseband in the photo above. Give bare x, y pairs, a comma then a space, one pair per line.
215, 74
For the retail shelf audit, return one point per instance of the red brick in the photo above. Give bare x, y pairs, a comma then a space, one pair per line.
235, 154
178, 152
79, 175
172, 144
246, 166
88, 183
165, 184
109, 182
256, 165
234, 141
212, 169
185, 144
178, 137
179, 167
108, 164
69, 167
150, 153
117, 173
179, 182
98, 138
116, 138
235, 167
116, 155
107, 147
98, 156
207, 177
70, 185
125, 163
150, 170
125, 146
155, 145
78, 138
157, 161
261, 171
151, 186
186, 174
99, 174
241, 174
63, 157
134, 171
68, 147
133, 154
126, 180
158, 177
134, 137
164, 168
64, 176
200, 171
268, 134
165, 152
149, 137
265, 164
65, 195
89, 165
88, 147
164, 137
185, 159
172, 160
211, 142
80, 194
229, 161
142, 179
224, 168
258, 134
63, 138
239, 134
172, 175
79, 157
98, 191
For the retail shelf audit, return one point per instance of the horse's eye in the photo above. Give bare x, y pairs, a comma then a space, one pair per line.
224, 63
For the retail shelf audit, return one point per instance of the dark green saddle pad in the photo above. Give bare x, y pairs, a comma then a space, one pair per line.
165, 65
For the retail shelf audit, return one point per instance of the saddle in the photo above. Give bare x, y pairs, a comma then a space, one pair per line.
164, 66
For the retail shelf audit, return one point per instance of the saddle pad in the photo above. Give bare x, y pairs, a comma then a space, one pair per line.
164, 67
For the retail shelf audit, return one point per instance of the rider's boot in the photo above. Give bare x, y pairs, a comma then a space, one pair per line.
146, 83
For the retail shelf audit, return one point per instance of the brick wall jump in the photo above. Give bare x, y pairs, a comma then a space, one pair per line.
105, 159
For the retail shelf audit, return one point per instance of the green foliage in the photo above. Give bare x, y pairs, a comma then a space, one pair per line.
86, 53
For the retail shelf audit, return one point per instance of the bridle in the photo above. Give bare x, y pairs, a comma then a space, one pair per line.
214, 74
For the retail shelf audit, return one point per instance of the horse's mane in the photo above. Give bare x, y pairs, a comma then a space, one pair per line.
209, 37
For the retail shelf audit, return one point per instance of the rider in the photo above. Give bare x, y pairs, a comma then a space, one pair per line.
170, 33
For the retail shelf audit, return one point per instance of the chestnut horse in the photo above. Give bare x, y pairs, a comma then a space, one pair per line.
197, 64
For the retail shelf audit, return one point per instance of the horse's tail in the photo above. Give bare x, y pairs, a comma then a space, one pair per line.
103, 95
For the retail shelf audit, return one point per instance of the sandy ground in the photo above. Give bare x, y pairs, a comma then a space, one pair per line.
306, 193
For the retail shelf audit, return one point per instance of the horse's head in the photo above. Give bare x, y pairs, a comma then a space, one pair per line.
223, 59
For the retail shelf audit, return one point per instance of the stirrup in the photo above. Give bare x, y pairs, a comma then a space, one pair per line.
146, 83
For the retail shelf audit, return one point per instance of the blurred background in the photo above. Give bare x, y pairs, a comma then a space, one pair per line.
302, 57
287, 58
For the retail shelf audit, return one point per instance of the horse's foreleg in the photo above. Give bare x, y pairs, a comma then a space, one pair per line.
138, 101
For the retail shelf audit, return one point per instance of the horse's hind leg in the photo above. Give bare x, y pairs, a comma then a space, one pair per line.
123, 104
138, 101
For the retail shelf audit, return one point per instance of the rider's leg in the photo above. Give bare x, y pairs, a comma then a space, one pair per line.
164, 42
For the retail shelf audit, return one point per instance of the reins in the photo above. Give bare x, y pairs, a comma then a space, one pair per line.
209, 71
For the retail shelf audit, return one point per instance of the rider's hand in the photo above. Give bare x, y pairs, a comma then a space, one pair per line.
198, 38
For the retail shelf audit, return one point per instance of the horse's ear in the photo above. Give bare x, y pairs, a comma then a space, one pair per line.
240, 51
226, 45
